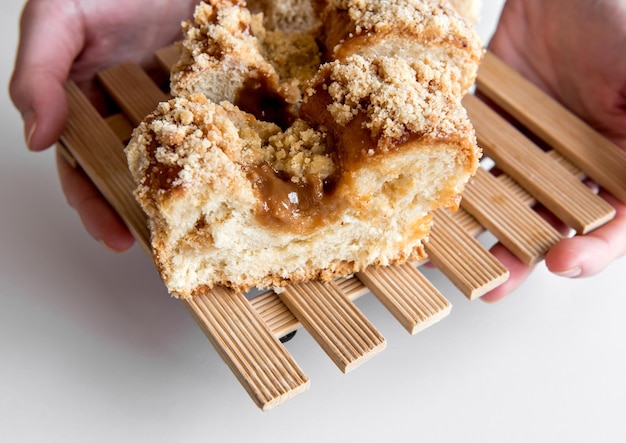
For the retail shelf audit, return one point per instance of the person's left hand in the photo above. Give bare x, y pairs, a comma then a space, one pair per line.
574, 50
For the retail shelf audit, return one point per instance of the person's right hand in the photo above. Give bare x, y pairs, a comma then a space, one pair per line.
575, 51
74, 39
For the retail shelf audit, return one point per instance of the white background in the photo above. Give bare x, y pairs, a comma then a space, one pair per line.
93, 349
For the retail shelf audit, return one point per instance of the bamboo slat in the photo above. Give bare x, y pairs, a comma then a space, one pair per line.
275, 314
462, 258
258, 359
467, 222
511, 221
280, 319
97, 149
337, 325
120, 125
67, 155
168, 56
598, 157
95, 146
514, 188
563, 194
351, 286
407, 294
132, 89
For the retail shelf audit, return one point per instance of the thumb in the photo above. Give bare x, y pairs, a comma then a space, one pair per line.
583, 256
50, 40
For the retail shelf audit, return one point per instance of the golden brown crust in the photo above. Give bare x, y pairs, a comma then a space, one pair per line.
335, 269
370, 27
427, 22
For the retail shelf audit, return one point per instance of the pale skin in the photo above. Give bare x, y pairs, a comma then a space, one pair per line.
61, 39
573, 49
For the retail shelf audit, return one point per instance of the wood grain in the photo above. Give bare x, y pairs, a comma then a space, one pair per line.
407, 294
337, 325
598, 157
509, 219
132, 89
261, 363
462, 258
97, 149
547, 180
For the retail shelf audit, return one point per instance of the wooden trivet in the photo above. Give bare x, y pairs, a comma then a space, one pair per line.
246, 332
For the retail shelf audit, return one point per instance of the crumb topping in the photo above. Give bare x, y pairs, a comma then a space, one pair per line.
300, 152
295, 56
395, 95
226, 36
181, 133
430, 19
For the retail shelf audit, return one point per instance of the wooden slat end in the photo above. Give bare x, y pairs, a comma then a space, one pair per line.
436, 318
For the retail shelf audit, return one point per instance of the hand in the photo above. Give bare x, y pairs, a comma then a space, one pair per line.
74, 39
574, 51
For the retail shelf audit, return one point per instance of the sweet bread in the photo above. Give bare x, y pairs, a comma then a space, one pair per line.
468, 9
290, 155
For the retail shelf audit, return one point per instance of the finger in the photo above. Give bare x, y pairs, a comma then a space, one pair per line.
517, 269
97, 216
50, 39
583, 256
518, 272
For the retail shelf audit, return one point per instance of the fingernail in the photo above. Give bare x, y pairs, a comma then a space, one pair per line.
106, 245
30, 125
570, 273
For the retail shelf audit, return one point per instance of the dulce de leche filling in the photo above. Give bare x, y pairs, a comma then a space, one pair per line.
306, 203
299, 207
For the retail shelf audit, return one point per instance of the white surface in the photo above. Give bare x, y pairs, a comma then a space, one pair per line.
93, 349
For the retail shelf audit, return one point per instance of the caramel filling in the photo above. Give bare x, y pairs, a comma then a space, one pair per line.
298, 207
301, 206
159, 175
260, 98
